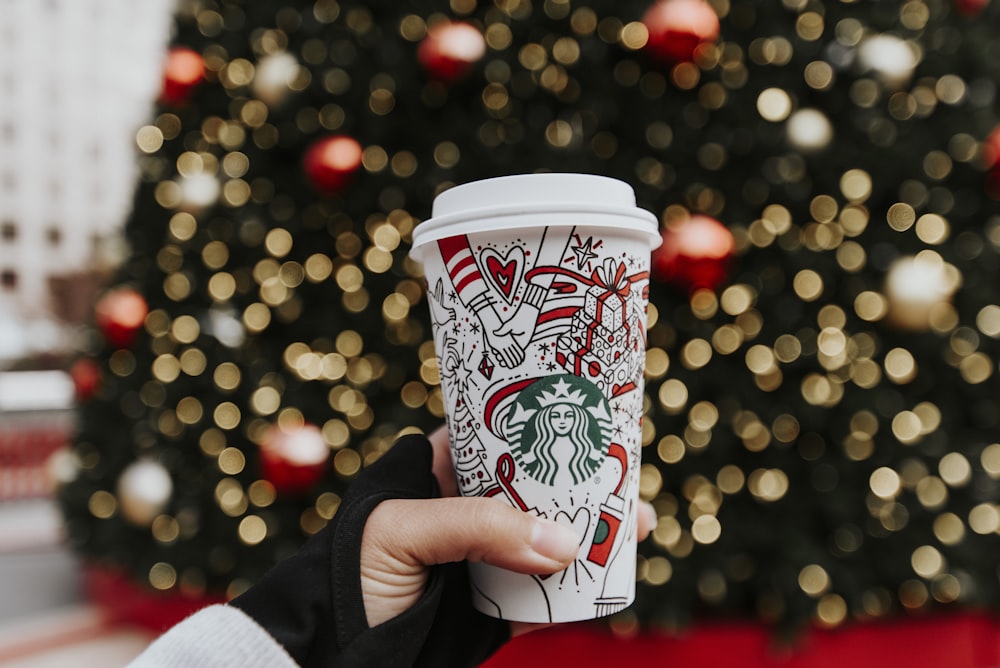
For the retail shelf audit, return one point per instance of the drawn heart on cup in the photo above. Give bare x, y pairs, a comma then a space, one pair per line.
578, 522
504, 270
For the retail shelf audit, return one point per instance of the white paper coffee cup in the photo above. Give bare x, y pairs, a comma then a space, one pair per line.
538, 287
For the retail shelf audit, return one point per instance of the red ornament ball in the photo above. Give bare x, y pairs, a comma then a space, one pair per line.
450, 50
970, 8
183, 71
696, 253
991, 149
993, 184
119, 314
293, 460
86, 377
331, 163
991, 161
678, 27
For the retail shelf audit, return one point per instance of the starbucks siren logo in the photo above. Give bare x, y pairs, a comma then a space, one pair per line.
559, 430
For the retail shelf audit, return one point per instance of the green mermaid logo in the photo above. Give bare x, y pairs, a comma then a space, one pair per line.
559, 430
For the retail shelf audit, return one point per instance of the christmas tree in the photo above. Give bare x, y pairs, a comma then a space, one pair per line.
820, 427
472, 475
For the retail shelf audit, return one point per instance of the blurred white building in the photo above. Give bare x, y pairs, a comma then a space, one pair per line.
77, 79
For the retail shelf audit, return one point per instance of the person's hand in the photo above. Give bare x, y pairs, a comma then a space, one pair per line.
508, 351
526, 314
403, 537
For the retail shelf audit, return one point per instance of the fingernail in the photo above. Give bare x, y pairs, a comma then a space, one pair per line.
554, 541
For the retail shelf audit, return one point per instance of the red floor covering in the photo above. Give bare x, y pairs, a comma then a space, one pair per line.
961, 640
941, 640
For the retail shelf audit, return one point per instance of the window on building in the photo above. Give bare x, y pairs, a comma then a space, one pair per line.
8, 279
8, 231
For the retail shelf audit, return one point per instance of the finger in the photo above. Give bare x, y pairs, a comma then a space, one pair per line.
508, 329
514, 355
520, 628
441, 465
647, 520
504, 358
438, 531
518, 352
510, 354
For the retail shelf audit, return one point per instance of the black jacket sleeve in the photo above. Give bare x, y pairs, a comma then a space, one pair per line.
311, 603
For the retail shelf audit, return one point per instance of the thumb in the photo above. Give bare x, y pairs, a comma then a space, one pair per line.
437, 531
505, 329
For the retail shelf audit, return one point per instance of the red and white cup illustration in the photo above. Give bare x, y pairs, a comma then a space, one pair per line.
538, 286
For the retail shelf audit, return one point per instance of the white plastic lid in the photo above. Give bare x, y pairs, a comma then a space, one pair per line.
488, 205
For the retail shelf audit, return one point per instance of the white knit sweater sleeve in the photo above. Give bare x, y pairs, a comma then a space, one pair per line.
220, 636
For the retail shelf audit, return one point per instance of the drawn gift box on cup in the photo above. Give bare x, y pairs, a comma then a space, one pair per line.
607, 300
604, 335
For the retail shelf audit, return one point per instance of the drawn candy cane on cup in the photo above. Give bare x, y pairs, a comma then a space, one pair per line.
505, 484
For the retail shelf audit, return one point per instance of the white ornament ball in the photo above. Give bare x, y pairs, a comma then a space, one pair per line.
809, 130
63, 467
199, 191
891, 59
144, 489
274, 77
917, 285
226, 327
